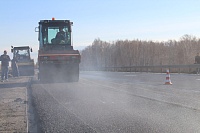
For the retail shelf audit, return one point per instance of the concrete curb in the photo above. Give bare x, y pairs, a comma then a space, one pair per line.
27, 117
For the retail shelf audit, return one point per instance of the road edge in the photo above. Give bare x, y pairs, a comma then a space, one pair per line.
32, 125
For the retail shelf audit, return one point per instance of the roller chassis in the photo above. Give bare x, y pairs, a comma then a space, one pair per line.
57, 62
24, 62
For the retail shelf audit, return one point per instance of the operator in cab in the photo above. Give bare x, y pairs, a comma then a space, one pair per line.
60, 36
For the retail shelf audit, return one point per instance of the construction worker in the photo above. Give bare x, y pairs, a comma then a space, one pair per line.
4, 66
15, 70
197, 61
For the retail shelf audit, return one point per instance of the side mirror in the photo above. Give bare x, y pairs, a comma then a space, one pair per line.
31, 50
12, 50
36, 29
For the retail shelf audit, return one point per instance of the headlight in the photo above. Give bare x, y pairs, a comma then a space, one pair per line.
44, 57
73, 57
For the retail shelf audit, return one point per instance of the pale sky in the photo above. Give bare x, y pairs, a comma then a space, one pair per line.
109, 20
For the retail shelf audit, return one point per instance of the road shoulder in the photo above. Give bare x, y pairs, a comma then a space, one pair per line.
13, 105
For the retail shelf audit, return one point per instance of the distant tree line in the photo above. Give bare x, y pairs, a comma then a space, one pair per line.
140, 53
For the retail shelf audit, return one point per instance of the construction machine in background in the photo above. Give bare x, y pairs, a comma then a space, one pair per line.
24, 61
57, 60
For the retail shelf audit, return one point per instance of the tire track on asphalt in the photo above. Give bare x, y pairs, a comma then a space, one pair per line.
60, 103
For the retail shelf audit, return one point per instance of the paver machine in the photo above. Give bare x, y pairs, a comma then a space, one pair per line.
24, 61
57, 60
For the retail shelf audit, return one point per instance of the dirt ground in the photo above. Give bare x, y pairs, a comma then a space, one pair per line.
13, 105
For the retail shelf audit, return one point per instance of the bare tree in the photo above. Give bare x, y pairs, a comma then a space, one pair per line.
140, 53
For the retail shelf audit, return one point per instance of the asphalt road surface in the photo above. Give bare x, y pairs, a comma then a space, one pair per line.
111, 102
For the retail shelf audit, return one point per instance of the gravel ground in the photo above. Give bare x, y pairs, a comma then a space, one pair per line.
13, 105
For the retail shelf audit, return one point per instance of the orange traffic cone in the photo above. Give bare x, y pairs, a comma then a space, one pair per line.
168, 81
